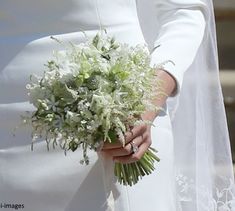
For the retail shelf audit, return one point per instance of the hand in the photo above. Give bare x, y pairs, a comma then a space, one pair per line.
140, 136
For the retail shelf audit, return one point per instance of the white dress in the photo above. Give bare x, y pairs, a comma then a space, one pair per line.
49, 181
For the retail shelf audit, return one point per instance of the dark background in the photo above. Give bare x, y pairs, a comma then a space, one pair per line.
225, 24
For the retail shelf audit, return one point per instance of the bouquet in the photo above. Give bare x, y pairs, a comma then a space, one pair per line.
92, 93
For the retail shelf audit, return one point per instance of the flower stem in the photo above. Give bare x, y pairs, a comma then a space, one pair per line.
130, 174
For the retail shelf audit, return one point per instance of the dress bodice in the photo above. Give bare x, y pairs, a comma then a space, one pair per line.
30, 17
26, 27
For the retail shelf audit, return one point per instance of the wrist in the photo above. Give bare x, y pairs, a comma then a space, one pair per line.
149, 115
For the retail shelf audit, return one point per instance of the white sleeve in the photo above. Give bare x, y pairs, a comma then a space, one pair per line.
181, 30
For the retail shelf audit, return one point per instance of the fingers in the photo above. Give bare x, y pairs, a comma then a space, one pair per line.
109, 146
140, 135
129, 136
125, 155
124, 151
135, 132
133, 157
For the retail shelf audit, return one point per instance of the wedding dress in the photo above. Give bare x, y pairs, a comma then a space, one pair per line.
50, 181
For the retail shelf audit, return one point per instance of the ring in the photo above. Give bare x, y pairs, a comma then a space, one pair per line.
134, 148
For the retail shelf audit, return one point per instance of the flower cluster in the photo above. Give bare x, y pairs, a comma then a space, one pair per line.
91, 93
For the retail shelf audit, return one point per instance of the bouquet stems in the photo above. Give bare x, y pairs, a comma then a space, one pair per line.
130, 174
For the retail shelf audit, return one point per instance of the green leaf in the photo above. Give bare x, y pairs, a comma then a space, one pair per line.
61, 90
113, 136
73, 145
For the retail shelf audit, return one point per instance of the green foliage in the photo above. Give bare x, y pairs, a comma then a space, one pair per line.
91, 93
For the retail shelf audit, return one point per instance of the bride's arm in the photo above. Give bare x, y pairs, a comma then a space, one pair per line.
181, 30
182, 24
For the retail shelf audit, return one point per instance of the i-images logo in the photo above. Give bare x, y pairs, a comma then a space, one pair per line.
11, 206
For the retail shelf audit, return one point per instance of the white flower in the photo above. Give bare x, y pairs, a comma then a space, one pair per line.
88, 92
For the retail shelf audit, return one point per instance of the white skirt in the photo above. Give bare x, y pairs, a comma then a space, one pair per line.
42, 180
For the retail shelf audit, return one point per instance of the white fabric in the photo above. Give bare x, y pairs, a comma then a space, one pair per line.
204, 172
44, 180
182, 26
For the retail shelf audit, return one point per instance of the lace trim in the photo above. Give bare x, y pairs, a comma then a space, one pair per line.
211, 200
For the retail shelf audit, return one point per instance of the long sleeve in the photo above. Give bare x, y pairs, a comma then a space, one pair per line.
182, 25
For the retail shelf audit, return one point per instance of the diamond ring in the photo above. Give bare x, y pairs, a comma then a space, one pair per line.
134, 148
